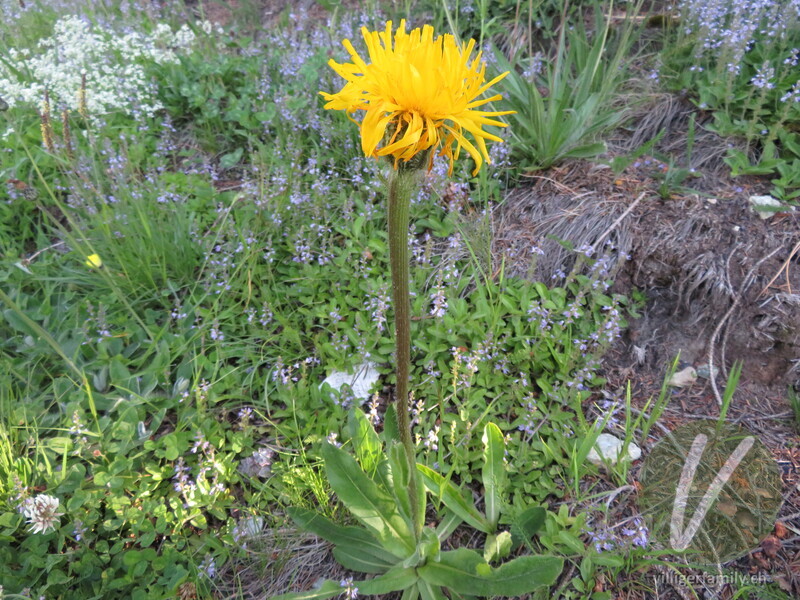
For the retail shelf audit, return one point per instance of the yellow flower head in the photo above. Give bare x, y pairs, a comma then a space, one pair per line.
419, 94
94, 261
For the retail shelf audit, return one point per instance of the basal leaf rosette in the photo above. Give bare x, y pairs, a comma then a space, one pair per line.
419, 94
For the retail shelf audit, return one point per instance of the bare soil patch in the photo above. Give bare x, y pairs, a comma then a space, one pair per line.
720, 285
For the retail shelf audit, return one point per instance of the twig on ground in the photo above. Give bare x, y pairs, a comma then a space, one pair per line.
784, 267
29, 260
613, 226
559, 185
614, 493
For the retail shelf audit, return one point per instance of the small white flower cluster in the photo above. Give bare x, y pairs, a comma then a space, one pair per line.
41, 512
112, 65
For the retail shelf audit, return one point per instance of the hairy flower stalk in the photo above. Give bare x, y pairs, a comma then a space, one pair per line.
419, 96
402, 182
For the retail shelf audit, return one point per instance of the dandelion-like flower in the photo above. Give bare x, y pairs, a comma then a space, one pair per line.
42, 513
420, 95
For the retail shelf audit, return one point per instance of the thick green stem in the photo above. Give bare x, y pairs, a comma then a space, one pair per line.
402, 182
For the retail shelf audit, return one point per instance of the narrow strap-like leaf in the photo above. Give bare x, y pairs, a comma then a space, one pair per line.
466, 572
341, 535
371, 505
395, 580
494, 472
328, 589
366, 443
430, 592
448, 525
453, 499
356, 558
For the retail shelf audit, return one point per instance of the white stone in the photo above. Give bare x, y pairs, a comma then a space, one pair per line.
248, 529
757, 202
361, 381
683, 378
608, 449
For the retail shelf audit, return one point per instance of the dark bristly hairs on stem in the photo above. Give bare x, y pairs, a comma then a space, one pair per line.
403, 180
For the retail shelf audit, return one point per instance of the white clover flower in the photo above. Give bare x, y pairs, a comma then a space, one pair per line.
41, 513
247, 529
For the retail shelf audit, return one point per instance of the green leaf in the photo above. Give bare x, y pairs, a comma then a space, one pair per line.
366, 443
430, 592
453, 499
465, 572
494, 472
394, 581
57, 578
428, 549
328, 589
390, 430
586, 151
398, 469
497, 546
357, 559
525, 524
371, 505
608, 560
571, 541
19, 323
383, 475
448, 525
401, 485
411, 593
354, 545
456, 596
740, 164
429, 545
231, 159
269, 112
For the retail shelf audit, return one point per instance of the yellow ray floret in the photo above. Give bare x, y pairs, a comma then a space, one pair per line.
418, 94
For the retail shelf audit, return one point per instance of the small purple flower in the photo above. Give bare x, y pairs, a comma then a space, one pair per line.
439, 302
350, 591
208, 567
200, 443
79, 531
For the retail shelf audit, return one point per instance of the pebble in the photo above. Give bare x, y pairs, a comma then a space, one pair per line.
361, 381
702, 371
608, 449
683, 378
758, 204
